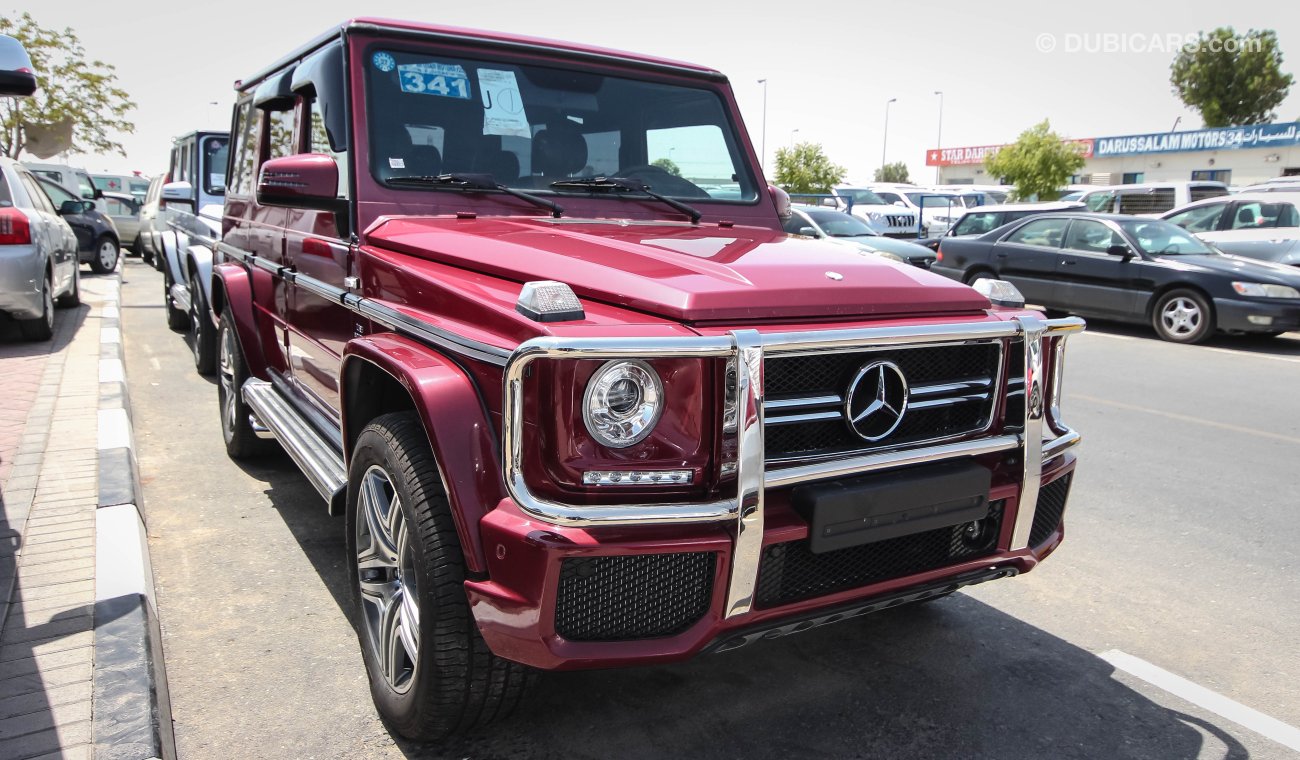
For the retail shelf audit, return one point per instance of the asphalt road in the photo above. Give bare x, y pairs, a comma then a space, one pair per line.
1182, 551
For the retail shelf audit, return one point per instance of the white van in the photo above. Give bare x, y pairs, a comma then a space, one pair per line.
1149, 198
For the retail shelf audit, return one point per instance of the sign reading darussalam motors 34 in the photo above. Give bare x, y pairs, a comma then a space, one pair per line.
1227, 138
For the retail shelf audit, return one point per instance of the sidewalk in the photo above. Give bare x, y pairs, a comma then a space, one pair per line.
70, 681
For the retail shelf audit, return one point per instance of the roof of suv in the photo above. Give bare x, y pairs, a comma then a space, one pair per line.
500, 39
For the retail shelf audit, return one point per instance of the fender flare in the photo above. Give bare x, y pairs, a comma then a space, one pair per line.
170, 242
448, 404
231, 287
198, 265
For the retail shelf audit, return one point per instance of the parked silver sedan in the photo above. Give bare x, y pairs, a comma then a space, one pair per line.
1264, 226
124, 210
38, 253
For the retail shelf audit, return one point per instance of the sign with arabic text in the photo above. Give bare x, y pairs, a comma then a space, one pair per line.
1227, 138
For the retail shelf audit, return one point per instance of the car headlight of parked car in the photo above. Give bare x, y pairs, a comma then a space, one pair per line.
875, 216
1262, 290
623, 402
888, 255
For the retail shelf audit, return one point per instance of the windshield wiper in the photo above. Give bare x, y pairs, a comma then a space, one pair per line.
624, 185
475, 182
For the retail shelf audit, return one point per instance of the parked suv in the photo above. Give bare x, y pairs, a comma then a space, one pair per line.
185, 211
580, 411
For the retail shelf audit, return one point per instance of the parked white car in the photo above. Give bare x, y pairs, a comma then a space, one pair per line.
39, 264
1264, 226
940, 212
1149, 198
888, 219
990, 194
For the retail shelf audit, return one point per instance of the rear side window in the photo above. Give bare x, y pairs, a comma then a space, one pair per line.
1154, 202
244, 164
215, 153
1254, 215
1199, 219
6, 199
39, 199
1203, 192
978, 224
1047, 233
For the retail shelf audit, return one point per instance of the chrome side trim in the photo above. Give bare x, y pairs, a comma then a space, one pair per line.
789, 476
374, 310
317, 459
777, 405
791, 419
750, 475
1032, 456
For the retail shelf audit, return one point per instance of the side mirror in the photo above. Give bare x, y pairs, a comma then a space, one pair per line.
1122, 251
782, 201
68, 208
900, 204
808, 232
16, 75
97, 194
307, 180
178, 192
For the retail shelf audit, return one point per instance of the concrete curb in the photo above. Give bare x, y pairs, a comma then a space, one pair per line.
130, 704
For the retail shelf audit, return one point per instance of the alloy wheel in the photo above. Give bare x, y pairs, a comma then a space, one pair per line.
386, 572
196, 329
47, 299
229, 405
1181, 316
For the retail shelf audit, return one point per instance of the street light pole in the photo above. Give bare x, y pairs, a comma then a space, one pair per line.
793, 132
762, 161
884, 144
939, 139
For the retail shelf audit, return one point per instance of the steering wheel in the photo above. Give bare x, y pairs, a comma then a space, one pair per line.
662, 181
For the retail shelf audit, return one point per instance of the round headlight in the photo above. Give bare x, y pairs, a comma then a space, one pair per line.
622, 404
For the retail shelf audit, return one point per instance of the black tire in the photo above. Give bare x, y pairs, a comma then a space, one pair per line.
970, 277
104, 262
1183, 316
72, 298
455, 683
42, 327
203, 335
177, 319
241, 441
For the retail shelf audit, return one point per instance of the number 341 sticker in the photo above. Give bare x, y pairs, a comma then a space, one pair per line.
443, 80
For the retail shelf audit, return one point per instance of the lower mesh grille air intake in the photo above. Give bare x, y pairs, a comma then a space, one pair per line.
1051, 508
790, 572
640, 596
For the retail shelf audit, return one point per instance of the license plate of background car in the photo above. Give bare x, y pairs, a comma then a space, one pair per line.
855, 511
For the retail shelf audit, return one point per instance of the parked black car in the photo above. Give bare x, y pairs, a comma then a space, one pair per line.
1130, 268
97, 240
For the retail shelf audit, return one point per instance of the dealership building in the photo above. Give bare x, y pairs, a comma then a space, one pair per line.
1235, 155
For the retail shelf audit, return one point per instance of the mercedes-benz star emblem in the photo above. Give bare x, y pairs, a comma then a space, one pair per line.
877, 400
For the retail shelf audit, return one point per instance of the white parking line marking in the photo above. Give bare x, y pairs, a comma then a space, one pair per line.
1112, 336
1271, 728
1187, 418
153, 362
1235, 352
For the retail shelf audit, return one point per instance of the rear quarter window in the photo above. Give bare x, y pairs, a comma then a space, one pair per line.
1154, 202
6, 198
1201, 193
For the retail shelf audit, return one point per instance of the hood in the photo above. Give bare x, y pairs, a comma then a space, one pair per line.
679, 271
1249, 270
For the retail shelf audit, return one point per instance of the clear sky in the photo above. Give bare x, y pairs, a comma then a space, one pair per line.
830, 66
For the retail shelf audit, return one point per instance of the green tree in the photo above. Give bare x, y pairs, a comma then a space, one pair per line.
1038, 163
668, 165
71, 92
1231, 78
895, 172
805, 168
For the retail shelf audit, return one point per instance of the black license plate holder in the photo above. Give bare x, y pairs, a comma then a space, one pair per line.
870, 508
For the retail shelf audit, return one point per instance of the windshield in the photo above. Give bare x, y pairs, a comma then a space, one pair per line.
1157, 238
837, 224
529, 126
934, 200
861, 197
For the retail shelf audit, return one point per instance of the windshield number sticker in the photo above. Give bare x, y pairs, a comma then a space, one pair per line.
443, 80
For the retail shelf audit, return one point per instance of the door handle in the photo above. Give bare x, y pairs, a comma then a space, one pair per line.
1000, 255
1069, 262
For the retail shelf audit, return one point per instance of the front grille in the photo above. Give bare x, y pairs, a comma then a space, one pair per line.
1051, 508
790, 572
639, 596
951, 394
1015, 416
900, 220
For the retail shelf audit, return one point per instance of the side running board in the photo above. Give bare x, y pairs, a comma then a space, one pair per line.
317, 459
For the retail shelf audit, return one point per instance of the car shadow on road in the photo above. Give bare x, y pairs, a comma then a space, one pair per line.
952, 679
1283, 345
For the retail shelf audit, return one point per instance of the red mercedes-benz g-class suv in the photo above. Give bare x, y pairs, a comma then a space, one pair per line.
524, 312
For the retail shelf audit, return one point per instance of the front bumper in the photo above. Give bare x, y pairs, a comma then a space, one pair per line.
22, 268
1240, 315
638, 561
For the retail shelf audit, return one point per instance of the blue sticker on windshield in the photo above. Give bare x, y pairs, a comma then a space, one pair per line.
441, 79
383, 62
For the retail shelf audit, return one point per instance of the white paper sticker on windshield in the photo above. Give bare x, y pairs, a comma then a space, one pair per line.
441, 79
503, 108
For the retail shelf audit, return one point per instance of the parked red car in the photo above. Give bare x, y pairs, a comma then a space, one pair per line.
585, 408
